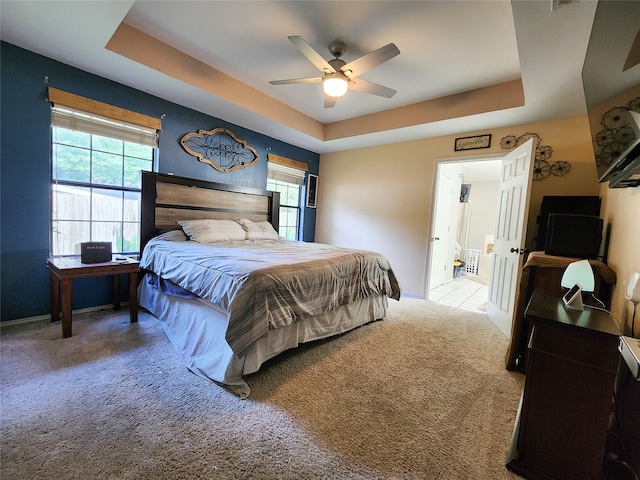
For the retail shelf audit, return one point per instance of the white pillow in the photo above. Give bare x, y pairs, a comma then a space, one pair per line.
268, 232
173, 236
210, 230
258, 230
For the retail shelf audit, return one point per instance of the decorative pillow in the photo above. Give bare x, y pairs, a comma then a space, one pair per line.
268, 232
258, 230
209, 230
252, 230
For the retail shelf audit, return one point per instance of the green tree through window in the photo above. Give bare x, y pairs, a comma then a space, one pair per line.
289, 207
95, 191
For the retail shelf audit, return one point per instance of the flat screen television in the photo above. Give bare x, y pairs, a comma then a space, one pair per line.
581, 204
573, 235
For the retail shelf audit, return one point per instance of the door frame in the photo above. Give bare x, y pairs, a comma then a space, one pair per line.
434, 203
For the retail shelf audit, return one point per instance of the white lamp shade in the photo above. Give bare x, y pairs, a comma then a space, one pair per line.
581, 273
335, 85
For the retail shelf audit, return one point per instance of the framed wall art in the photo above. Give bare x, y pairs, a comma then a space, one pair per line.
471, 143
312, 190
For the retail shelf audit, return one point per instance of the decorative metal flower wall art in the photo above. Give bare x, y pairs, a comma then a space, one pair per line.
220, 148
616, 135
541, 167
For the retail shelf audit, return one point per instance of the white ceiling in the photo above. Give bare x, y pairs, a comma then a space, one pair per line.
447, 47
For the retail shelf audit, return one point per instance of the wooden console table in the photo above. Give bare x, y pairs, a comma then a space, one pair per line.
62, 271
563, 419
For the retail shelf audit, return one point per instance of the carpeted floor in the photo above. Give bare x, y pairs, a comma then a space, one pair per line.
420, 395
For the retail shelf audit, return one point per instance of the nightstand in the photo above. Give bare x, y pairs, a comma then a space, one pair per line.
563, 419
62, 271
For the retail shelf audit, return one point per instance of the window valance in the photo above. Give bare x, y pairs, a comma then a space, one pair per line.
90, 116
286, 169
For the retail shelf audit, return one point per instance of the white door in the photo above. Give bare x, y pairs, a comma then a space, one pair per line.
508, 247
441, 269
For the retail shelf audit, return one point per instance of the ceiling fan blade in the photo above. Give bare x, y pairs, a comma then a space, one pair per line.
313, 56
329, 102
370, 60
366, 86
296, 80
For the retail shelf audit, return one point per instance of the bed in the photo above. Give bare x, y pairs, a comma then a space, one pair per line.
230, 293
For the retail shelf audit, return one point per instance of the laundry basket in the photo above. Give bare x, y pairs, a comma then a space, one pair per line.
471, 261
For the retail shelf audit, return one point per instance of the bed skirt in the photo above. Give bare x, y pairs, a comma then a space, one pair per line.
196, 329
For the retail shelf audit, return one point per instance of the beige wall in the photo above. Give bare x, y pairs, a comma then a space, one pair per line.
484, 198
621, 208
380, 198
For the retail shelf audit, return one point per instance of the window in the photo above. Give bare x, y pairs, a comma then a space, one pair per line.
96, 180
289, 207
286, 176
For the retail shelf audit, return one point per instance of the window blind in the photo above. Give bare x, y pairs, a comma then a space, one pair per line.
284, 173
73, 119
285, 169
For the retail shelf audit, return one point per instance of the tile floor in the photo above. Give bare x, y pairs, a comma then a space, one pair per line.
462, 292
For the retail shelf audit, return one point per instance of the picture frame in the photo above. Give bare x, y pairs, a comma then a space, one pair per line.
312, 190
465, 189
472, 143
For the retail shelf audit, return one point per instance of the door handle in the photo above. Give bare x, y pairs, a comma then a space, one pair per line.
517, 250
435, 238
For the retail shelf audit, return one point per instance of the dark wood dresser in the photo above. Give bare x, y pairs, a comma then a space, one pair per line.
545, 272
562, 422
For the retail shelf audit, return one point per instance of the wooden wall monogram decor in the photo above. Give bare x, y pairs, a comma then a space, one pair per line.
220, 148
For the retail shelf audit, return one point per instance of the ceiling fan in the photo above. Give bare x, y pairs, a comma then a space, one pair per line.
340, 76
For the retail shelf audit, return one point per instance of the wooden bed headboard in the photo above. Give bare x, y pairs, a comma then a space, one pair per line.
169, 198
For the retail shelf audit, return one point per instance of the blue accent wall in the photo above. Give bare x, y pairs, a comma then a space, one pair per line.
25, 170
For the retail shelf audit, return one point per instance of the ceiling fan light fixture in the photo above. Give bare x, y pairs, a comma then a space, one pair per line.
335, 85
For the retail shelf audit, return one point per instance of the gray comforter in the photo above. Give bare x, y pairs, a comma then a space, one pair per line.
268, 284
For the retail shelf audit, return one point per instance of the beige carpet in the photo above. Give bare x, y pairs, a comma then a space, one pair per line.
420, 395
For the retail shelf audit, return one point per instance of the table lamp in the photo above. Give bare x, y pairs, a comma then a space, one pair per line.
579, 272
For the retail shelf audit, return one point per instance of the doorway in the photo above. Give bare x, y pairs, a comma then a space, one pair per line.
464, 218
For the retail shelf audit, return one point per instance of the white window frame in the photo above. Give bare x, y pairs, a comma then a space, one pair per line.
286, 171
71, 118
